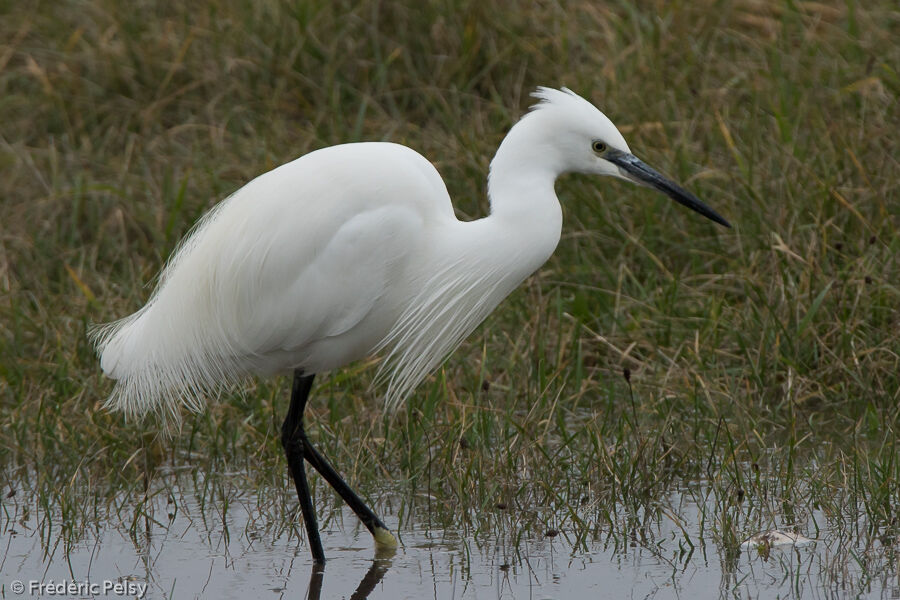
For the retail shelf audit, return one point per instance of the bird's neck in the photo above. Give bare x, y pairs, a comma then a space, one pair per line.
524, 206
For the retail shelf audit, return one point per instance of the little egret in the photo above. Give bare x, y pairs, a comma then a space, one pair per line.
348, 252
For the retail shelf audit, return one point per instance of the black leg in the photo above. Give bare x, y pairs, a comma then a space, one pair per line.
294, 450
298, 447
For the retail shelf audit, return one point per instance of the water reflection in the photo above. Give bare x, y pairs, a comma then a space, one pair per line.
370, 580
184, 545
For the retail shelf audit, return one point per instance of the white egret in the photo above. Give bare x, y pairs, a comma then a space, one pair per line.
351, 251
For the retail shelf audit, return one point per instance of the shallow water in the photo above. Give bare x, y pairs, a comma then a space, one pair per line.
183, 550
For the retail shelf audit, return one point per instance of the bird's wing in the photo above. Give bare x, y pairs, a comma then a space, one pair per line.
302, 294
299, 254
315, 244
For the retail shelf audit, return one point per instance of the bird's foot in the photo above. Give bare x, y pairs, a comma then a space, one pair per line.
384, 538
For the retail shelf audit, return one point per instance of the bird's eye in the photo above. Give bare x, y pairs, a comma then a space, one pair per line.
598, 147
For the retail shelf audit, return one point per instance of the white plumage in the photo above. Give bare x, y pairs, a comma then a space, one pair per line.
350, 251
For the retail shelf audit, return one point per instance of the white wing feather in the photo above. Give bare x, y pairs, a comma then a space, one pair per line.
285, 273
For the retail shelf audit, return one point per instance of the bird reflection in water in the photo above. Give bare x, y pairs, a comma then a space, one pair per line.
380, 565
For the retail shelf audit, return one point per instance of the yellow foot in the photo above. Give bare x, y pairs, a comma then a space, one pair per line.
384, 538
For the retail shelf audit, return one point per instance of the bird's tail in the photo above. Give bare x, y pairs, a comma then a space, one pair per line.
154, 371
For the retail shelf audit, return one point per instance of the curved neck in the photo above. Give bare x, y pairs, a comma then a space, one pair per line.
520, 188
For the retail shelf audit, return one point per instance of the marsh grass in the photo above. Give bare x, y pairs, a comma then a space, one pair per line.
763, 360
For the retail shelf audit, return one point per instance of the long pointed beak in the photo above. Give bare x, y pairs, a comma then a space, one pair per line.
638, 171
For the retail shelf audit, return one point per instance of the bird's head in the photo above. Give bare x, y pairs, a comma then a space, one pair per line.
576, 137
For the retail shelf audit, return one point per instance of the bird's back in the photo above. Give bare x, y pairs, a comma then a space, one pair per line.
292, 270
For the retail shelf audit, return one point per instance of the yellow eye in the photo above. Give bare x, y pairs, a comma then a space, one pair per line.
598, 147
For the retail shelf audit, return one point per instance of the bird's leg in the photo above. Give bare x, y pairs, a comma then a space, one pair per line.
378, 529
293, 439
295, 434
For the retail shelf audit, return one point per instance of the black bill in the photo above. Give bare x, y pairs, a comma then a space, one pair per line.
639, 172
